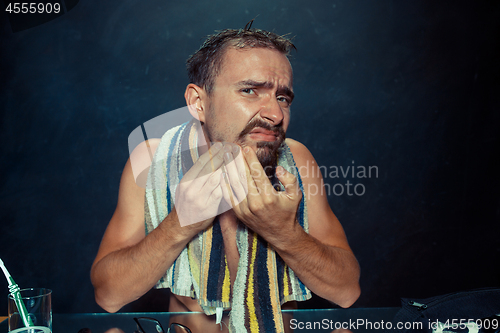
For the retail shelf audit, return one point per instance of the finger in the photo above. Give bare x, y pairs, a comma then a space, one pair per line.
216, 195
289, 181
210, 190
207, 163
241, 166
227, 191
258, 177
199, 199
214, 164
237, 183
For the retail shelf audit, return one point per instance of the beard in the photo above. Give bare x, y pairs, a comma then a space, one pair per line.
267, 151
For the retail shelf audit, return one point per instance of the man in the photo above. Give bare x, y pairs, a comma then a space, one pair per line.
240, 92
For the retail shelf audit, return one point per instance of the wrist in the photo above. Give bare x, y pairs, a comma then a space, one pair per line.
287, 242
174, 232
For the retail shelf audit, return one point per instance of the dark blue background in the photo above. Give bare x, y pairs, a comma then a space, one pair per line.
411, 87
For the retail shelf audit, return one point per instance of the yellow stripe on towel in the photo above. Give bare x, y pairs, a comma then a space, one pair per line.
273, 288
226, 284
207, 250
285, 280
254, 325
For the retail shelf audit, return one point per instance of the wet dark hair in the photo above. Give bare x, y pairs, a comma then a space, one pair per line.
204, 65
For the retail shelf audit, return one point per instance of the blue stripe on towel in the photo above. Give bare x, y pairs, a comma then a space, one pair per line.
216, 255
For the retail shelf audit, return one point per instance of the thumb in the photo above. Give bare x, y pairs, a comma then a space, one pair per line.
290, 182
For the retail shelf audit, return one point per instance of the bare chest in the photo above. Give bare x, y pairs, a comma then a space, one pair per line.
229, 227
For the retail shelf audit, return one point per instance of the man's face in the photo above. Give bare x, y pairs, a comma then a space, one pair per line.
250, 102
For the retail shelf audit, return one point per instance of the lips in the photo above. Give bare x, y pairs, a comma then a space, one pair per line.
258, 130
263, 134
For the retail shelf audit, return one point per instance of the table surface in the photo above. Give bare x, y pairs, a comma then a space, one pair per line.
324, 319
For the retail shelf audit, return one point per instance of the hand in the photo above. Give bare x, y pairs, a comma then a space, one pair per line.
268, 212
199, 193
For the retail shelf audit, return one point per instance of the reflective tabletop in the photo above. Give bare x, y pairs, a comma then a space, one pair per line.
323, 320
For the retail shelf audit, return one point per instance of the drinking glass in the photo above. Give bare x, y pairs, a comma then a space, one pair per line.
39, 309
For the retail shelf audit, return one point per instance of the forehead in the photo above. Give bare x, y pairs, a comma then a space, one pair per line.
257, 64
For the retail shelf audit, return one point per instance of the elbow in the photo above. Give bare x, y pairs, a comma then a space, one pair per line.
102, 294
344, 296
352, 290
350, 296
105, 303
104, 300
110, 297
110, 300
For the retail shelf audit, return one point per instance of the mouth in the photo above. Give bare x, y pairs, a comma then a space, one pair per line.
261, 134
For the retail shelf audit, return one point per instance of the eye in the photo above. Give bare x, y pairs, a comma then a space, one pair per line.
247, 91
284, 100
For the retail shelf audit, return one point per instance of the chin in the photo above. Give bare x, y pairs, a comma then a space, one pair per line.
266, 151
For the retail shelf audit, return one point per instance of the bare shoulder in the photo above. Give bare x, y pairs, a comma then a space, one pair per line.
146, 147
141, 158
305, 162
300, 152
323, 224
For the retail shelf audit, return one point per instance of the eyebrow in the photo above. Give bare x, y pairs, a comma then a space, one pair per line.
267, 85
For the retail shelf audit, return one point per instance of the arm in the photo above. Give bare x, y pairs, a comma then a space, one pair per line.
321, 259
128, 262
327, 265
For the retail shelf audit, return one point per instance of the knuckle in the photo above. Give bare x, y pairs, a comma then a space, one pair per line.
270, 198
213, 180
244, 210
256, 206
217, 194
243, 176
219, 157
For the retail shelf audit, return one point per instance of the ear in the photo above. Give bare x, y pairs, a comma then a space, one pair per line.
196, 99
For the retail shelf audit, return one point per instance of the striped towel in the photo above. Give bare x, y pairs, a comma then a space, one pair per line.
263, 282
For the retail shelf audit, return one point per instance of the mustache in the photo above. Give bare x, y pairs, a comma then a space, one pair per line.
277, 130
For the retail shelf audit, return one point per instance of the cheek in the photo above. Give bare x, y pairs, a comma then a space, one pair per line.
224, 129
286, 120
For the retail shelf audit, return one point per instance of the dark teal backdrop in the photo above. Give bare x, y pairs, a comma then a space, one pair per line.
410, 88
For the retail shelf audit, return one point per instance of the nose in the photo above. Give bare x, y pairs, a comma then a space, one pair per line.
271, 111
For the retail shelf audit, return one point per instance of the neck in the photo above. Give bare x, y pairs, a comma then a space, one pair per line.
203, 141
